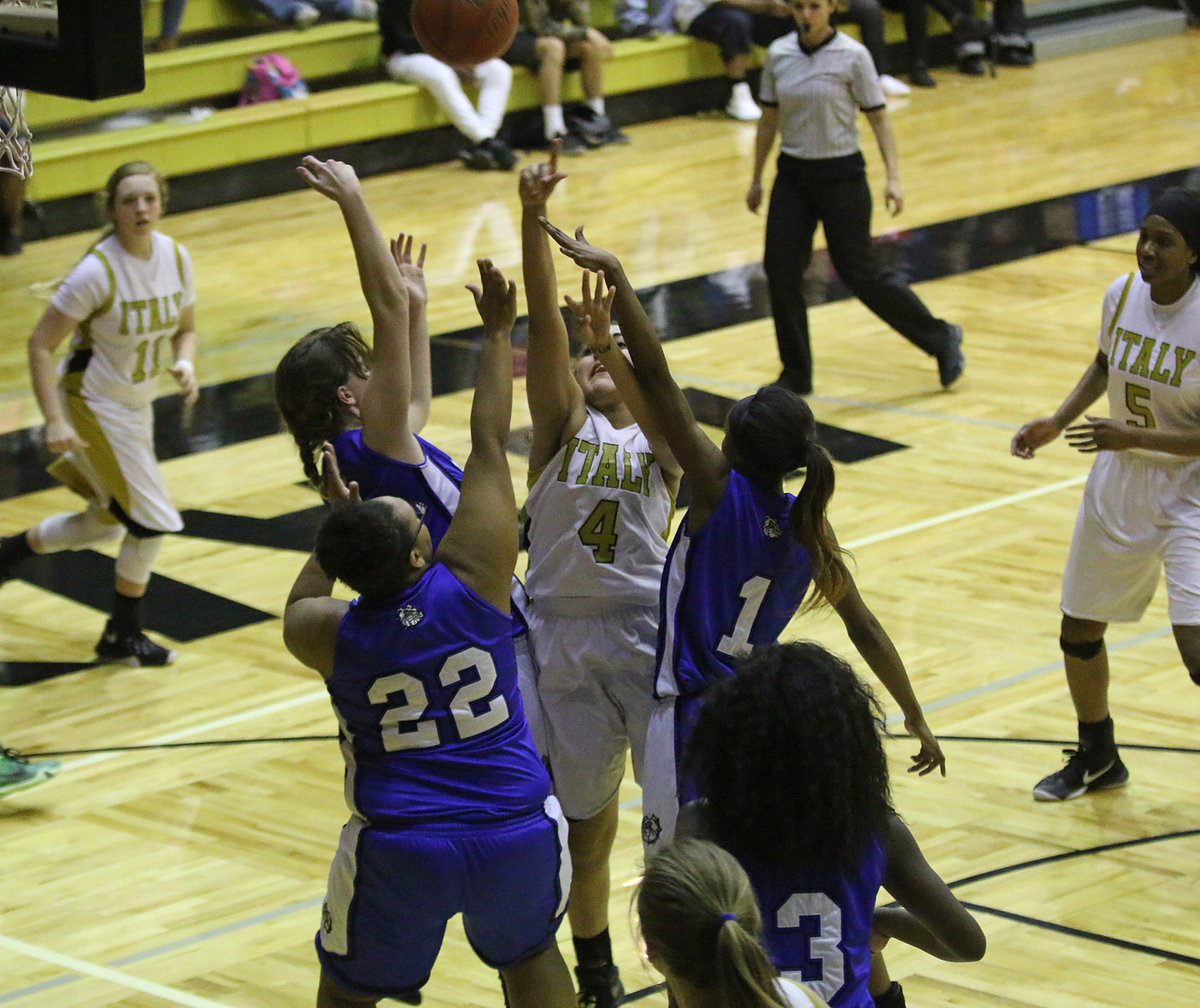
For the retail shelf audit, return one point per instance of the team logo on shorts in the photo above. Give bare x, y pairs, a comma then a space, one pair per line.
326, 919
409, 616
771, 528
651, 829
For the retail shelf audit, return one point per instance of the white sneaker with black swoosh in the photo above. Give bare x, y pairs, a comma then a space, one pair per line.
1084, 772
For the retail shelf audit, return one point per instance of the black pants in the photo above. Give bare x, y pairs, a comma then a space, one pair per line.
834, 192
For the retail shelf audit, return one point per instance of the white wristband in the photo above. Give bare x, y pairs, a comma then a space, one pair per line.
185, 365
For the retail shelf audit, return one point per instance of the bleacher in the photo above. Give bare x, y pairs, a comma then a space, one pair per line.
188, 124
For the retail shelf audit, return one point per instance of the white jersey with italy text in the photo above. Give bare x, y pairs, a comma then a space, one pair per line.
599, 515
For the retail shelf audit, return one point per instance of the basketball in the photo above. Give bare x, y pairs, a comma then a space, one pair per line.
464, 32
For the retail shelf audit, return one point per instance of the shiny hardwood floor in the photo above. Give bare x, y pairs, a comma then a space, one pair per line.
162, 867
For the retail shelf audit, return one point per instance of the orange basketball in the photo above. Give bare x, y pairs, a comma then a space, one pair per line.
464, 32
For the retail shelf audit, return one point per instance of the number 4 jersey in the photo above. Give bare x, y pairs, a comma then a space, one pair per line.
424, 686
599, 514
128, 309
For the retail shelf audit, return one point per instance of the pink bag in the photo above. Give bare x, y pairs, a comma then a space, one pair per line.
271, 77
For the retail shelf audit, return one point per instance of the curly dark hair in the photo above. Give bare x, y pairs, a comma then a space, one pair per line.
364, 545
789, 756
306, 384
774, 433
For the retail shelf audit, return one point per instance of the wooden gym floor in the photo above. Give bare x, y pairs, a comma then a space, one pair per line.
180, 857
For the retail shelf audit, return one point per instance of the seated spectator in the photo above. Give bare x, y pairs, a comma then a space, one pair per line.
868, 16
969, 33
1009, 35
551, 33
736, 26
645, 19
406, 62
303, 13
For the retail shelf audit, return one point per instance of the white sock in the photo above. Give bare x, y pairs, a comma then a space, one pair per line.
553, 121
596, 105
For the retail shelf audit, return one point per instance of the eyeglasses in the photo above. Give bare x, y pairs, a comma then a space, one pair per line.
421, 511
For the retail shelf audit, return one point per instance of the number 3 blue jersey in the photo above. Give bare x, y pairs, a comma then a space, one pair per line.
817, 924
433, 728
733, 585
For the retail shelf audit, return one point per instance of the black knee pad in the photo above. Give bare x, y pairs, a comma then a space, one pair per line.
1083, 650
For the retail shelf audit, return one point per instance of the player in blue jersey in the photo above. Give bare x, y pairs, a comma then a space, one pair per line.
813, 825
701, 926
451, 810
746, 553
601, 495
371, 402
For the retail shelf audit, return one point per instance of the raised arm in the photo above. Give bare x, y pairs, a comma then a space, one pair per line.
877, 650
556, 404
480, 546
1037, 433
384, 406
929, 917
667, 410
420, 394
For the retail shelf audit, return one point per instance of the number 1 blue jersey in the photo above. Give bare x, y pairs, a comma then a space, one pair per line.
424, 686
733, 585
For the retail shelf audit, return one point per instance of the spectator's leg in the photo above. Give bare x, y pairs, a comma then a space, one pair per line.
1013, 45
443, 83
12, 206
732, 30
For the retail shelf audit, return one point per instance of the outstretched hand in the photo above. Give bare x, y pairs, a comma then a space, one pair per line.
593, 311
412, 273
333, 487
495, 297
334, 179
537, 181
930, 756
580, 250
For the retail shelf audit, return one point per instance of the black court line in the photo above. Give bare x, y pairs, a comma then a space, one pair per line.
1158, 953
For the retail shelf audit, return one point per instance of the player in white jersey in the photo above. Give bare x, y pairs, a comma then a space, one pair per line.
601, 493
1141, 506
129, 308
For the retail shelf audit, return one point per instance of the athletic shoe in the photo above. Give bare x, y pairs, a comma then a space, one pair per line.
972, 66
570, 143
892, 87
595, 130
479, 157
1017, 56
599, 986
920, 76
951, 360
742, 106
364, 10
131, 649
646, 32
305, 15
501, 153
893, 997
17, 772
10, 245
1084, 772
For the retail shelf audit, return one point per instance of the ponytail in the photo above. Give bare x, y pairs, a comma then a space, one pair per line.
811, 528
307, 380
699, 915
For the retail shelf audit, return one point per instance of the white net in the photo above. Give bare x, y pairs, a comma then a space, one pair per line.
15, 137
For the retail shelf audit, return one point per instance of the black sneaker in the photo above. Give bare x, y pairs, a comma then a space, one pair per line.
893, 997
1017, 56
570, 143
1084, 772
501, 153
478, 158
920, 76
972, 66
599, 986
597, 130
951, 360
131, 649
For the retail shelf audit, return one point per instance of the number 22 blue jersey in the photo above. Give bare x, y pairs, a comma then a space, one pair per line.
734, 584
424, 686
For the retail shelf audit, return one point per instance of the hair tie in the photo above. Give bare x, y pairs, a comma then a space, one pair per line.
728, 917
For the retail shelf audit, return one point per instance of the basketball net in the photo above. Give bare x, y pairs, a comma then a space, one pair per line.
15, 137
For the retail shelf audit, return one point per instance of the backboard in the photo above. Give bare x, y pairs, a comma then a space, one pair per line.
74, 48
